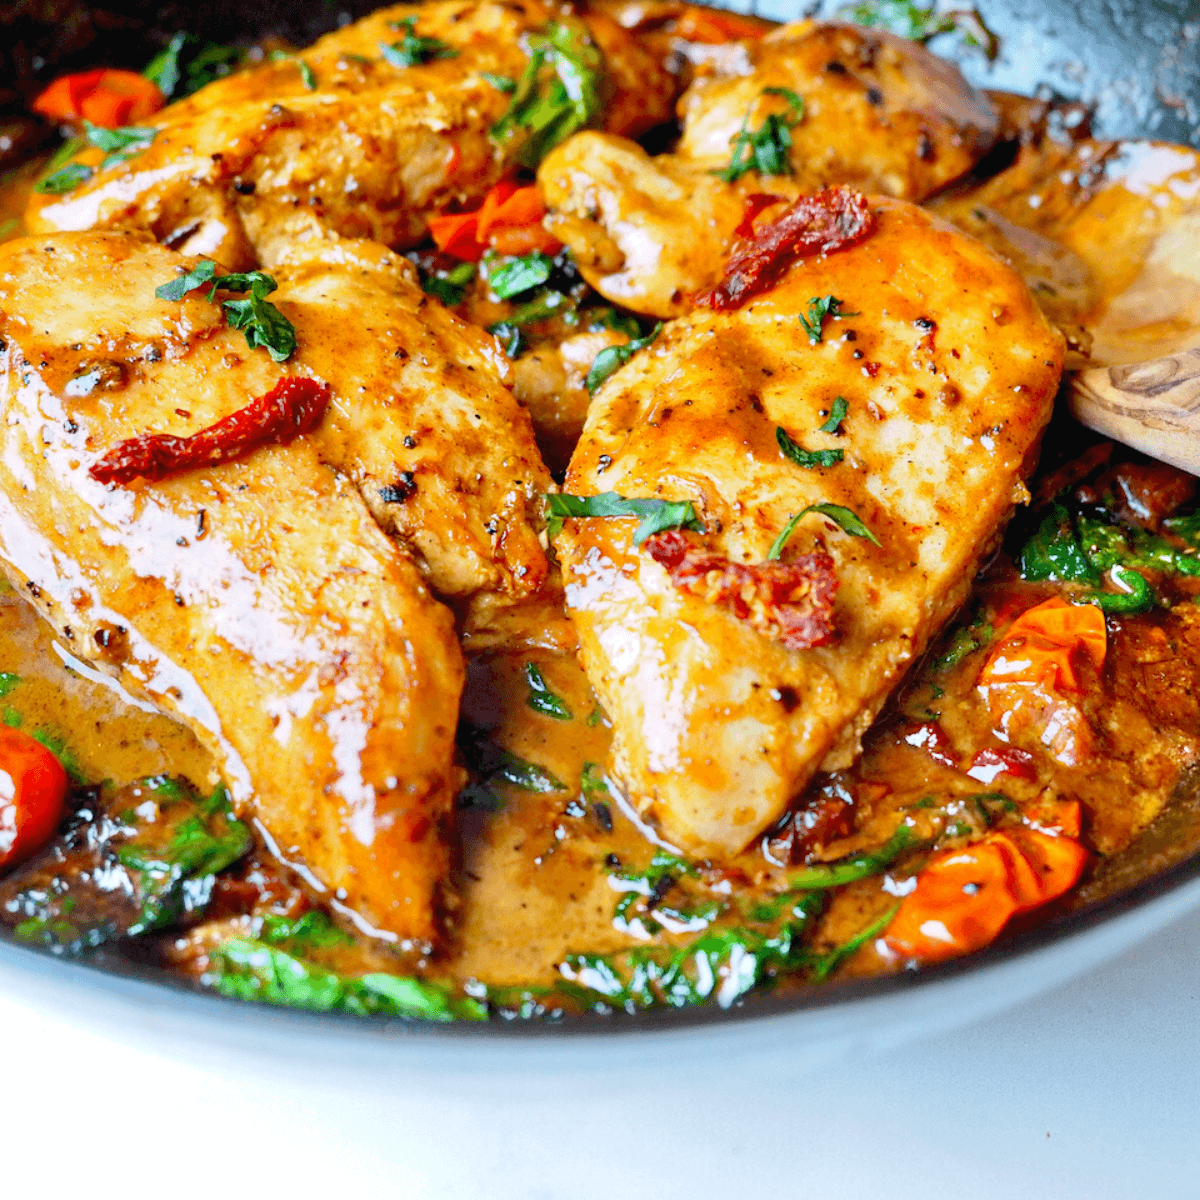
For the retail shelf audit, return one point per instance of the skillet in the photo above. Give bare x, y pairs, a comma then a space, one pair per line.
1136, 63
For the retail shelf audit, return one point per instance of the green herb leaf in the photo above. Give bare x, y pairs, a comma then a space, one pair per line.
262, 323
307, 74
450, 286
613, 357
251, 969
188, 64
820, 310
522, 773
558, 94
411, 50
592, 782
837, 414
8, 681
541, 699
1054, 552
119, 144
965, 641
806, 458
826, 964
857, 866
656, 515
312, 931
510, 337
203, 272
1136, 597
765, 149
509, 277
844, 518
65, 179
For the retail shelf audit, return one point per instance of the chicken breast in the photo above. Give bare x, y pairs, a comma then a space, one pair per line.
257, 601
371, 149
854, 106
731, 680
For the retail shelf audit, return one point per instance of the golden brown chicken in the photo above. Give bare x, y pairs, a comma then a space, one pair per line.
257, 600
816, 104
366, 134
905, 381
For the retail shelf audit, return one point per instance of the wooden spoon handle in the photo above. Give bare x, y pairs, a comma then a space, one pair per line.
1152, 406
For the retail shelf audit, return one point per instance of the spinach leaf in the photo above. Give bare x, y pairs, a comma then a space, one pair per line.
656, 515
765, 149
254, 969
558, 94
1137, 596
177, 878
844, 518
1054, 552
820, 310
806, 458
509, 277
449, 286
411, 50
613, 357
857, 866
541, 699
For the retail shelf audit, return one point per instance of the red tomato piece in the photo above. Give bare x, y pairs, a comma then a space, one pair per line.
33, 790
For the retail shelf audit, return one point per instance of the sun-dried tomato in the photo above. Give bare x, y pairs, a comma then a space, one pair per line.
819, 224
293, 406
791, 602
756, 204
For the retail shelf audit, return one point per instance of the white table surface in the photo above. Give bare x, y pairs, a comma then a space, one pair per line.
1091, 1091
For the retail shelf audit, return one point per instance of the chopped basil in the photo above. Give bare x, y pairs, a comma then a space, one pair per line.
966, 641
910, 20
656, 515
765, 149
544, 306
611, 358
820, 310
806, 458
509, 277
844, 518
592, 782
65, 179
522, 773
558, 94
188, 64
8, 681
837, 414
857, 866
449, 286
307, 75
541, 699
615, 319
263, 324
411, 50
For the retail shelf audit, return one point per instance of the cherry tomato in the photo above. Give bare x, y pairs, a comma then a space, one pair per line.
33, 789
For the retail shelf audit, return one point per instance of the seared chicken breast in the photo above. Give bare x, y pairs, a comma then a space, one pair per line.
258, 601
830, 103
365, 134
912, 404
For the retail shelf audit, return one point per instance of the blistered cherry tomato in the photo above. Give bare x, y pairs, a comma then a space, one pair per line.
33, 790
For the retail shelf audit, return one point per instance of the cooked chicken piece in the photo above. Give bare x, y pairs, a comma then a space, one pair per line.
252, 162
948, 371
258, 600
856, 106
443, 454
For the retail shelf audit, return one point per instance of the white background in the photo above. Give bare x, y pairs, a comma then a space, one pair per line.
1091, 1091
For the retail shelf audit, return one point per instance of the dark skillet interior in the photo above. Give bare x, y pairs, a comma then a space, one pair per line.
1137, 62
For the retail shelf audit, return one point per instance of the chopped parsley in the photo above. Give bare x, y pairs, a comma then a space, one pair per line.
765, 149
412, 50
820, 310
558, 94
806, 458
541, 699
611, 358
656, 515
262, 323
846, 519
909, 20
